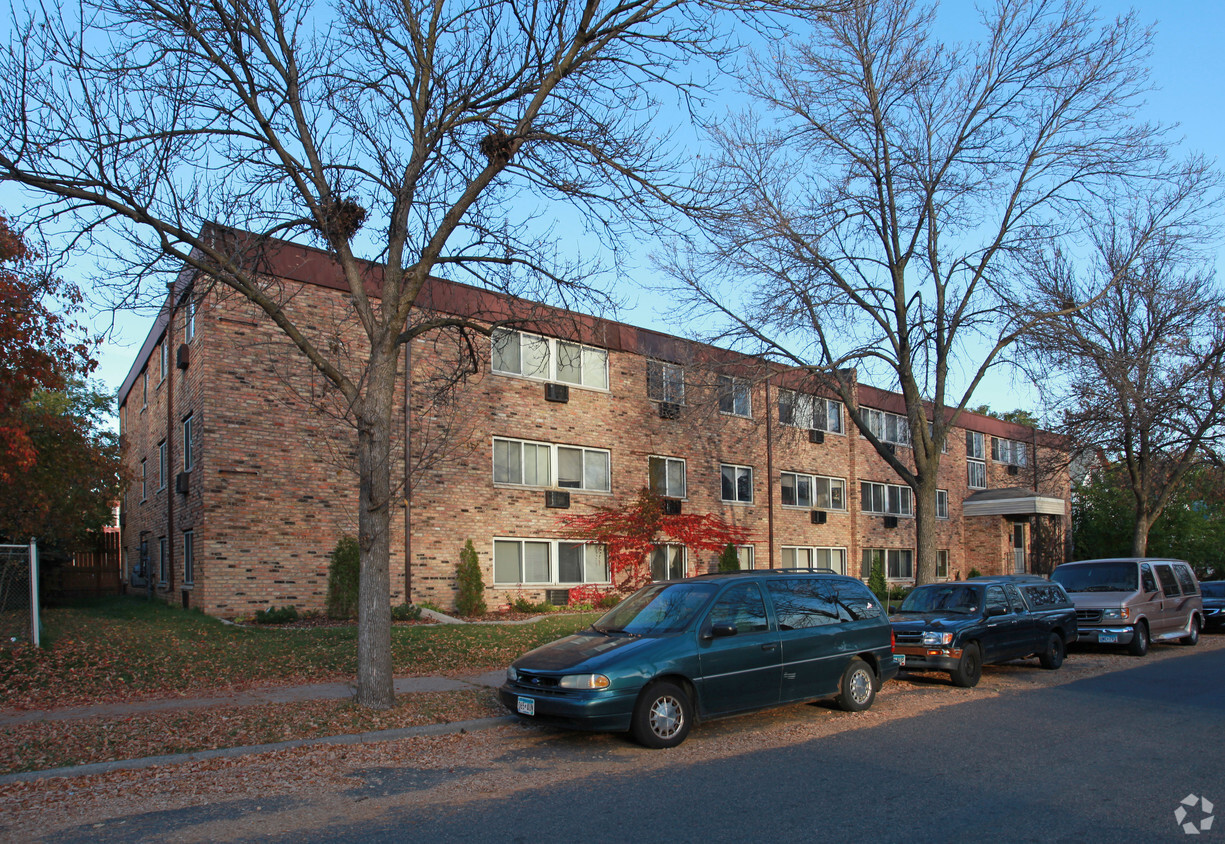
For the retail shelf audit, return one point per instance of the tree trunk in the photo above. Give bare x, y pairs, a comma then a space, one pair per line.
1139, 534
925, 528
375, 686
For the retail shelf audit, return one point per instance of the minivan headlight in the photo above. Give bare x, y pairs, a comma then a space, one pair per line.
1118, 612
584, 681
931, 637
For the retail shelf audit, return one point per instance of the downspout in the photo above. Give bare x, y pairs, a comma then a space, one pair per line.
769, 480
171, 486
408, 492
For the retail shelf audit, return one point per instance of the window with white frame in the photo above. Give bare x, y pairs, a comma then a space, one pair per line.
666, 476
144, 389
549, 359
668, 562
800, 410
812, 491
548, 561
189, 558
524, 463
942, 564
1009, 451
744, 556
942, 504
144, 480
189, 322
737, 483
896, 563
804, 557
189, 450
976, 467
165, 359
163, 562
887, 427
886, 499
734, 396
665, 382
161, 465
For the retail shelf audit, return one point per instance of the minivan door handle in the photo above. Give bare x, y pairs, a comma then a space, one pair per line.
769, 646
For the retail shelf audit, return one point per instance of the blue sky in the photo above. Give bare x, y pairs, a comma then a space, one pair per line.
1187, 71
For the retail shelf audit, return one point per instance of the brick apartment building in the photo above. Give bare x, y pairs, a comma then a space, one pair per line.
245, 467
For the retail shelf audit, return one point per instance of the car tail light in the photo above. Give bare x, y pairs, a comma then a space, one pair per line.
892, 640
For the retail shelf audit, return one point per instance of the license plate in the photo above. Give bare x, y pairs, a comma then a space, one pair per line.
900, 659
1108, 638
527, 706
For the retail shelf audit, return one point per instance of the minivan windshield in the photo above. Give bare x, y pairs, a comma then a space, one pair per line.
959, 599
658, 608
1097, 577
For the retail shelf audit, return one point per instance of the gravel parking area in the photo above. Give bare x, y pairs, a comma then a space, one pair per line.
454, 769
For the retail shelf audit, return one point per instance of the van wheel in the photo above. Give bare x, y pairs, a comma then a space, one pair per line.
1053, 656
969, 669
1192, 638
1139, 642
858, 687
662, 716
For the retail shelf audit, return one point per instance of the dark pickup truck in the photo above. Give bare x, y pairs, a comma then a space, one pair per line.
959, 626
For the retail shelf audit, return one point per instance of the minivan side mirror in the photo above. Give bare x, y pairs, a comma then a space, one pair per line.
718, 631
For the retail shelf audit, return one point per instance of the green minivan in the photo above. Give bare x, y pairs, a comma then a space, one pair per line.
707, 647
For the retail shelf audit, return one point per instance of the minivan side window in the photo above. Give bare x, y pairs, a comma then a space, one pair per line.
1186, 580
856, 602
803, 602
1147, 581
742, 606
1168, 584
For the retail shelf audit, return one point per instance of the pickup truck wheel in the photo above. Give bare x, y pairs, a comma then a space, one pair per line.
858, 687
1192, 638
969, 669
1052, 657
662, 716
1139, 641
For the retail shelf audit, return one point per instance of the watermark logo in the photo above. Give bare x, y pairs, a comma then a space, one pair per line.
1194, 820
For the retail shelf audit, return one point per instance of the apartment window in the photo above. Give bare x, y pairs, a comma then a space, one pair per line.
734, 396
161, 465
164, 357
942, 565
163, 562
189, 322
974, 446
144, 388
581, 562
667, 476
532, 464
189, 558
737, 483
668, 562
549, 359
548, 561
942, 504
744, 556
976, 468
813, 491
886, 499
803, 557
897, 564
189, 458
888, 427
801, 410
665, 382
1009, 451
144, 480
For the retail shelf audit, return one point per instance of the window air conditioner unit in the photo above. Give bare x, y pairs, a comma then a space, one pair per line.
818, 517
672, 507
557, 499
816, 436
556, 392
557, 597
890, 521
183, 356
669, 410
182, 483
1014, 470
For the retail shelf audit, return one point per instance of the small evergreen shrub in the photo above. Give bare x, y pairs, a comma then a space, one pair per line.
877, 582
607, 601
272, 615
729, 560
405, 612
974, 573
470, 597
344, 571
523, 605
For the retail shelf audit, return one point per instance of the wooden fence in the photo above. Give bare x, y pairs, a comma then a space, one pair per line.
91, 573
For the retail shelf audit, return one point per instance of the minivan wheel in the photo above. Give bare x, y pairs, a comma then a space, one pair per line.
969, 668
858, 687
662, 716
1053, 657
1139, 641
1192, 638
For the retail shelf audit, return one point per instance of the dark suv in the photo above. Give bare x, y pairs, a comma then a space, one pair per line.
960, 626
707, 647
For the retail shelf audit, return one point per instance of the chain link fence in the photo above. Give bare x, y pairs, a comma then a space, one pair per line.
18, 600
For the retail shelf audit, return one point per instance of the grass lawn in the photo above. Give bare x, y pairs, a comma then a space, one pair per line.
122, 649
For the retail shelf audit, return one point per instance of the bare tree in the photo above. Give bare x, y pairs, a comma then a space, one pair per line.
432, 135
1140, 372
884, 189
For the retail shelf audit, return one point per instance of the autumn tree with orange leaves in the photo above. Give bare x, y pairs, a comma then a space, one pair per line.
631, 532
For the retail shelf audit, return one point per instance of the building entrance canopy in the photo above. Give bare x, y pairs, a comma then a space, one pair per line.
1014, 501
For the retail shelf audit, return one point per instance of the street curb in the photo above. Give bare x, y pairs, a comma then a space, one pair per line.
229, 752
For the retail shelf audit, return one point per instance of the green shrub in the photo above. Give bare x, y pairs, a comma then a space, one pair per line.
729, 560
344, 571
974, 573
405, 612
470, 597
523, 605
432, 606
272, 615
877, 582
608, 600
